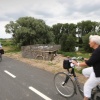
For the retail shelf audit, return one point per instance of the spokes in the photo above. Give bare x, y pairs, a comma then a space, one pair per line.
64, 84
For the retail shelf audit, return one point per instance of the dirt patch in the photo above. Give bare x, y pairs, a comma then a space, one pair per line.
51, 66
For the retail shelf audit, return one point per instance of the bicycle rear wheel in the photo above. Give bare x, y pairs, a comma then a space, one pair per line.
64, 84
97, 96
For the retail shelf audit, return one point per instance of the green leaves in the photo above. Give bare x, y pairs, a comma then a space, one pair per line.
28, 31
68, 43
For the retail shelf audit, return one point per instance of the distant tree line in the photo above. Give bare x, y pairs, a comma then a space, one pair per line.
29, 31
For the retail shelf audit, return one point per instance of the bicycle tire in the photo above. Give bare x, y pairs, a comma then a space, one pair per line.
66, 90
96, 96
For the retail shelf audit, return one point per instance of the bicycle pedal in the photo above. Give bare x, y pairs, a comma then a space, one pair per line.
63, 83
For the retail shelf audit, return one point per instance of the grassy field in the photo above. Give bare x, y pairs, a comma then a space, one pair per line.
75, 54
10, 49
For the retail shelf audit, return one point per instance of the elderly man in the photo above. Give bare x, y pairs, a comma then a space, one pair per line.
92, 72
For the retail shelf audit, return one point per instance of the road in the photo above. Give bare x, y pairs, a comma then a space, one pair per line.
21, 81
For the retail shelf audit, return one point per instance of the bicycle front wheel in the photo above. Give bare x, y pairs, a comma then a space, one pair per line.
64, 84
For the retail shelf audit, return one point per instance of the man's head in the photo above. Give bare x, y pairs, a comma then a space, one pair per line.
94, 41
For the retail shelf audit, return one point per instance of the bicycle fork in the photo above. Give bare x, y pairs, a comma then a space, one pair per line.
66, 80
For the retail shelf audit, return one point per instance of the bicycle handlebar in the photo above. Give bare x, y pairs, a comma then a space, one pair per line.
76, 59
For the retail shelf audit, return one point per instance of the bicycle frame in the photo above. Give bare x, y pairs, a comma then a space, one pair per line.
72, 73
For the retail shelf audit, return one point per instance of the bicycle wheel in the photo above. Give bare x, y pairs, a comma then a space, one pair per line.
97, 96
64, 84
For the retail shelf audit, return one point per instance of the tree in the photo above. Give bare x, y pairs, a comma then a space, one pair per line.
63, 42
60, 29
68, 43
72, 29
57, 31
86, 43
28, 31
86, 27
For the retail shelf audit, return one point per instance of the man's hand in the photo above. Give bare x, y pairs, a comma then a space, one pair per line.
74, 62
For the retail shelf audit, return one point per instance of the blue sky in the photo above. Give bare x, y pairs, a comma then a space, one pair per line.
51, 11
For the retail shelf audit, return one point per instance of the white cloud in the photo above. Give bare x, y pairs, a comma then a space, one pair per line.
2, 31
51, 11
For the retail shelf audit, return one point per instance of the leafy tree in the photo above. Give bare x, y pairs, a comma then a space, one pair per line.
86, 27
63, 42
68, 43
28, 31
60, 29
86, 43
72, 29
57, 31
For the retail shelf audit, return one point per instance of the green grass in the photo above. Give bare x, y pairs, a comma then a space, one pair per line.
8, 46
78, 71
9, 49
75, 54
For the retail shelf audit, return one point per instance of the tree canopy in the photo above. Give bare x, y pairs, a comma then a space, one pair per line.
28, 31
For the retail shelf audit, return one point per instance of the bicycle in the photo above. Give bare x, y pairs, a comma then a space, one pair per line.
67, 83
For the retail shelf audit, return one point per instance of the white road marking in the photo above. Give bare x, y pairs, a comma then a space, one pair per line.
39, 93
10, 74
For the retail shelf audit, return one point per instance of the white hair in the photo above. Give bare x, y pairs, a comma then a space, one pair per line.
95, 38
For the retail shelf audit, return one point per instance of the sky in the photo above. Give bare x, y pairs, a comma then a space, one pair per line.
51, 11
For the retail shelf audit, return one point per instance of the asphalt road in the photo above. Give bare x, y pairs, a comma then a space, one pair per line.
21, 81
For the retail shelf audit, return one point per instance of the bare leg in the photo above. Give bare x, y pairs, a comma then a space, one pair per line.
85, 98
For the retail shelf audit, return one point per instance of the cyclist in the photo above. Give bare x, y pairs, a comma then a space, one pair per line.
0, 49
92, 72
